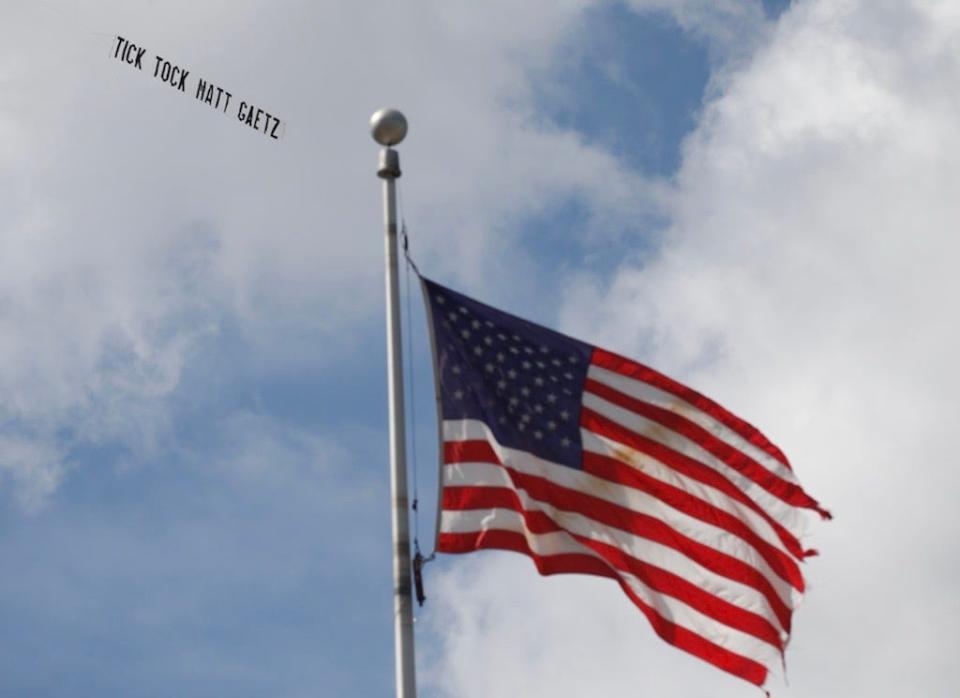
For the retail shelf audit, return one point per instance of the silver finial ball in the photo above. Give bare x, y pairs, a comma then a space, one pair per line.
388, 127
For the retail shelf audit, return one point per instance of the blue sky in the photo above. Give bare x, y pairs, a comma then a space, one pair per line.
193, 477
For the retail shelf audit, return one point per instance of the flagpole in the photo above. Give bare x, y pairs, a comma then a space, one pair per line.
388, 127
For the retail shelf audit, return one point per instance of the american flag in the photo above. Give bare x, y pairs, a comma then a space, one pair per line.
591, 463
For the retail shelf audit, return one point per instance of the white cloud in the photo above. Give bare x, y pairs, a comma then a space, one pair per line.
137, 222
731, 28
806, 282
34, 465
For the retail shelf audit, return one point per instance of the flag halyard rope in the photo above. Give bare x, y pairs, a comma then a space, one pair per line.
418, 559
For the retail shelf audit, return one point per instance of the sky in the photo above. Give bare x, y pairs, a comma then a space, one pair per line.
759, 199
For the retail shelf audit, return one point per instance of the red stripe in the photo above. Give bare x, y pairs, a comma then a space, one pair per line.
623, 519
475, 451
637, 371
615, 471
689, 467
670, 584
789, 492
658, 579
676, 635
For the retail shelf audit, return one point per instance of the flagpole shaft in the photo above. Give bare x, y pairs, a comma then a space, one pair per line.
402, 588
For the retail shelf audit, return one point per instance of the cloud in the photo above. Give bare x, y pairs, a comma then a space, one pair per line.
139, 224
142, 231
806, 281
731, 29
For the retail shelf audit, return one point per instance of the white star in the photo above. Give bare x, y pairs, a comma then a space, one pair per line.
465, 334
501, 336
573, 359
540, 364
464, 310
514, 350
525, 418
488, 323
456, 370
440, 299
538, 408
544, 350
478, 351
458, 394
525, 391
488, 341
511, 374
564, 415
538, 434
452, 316
538, 380
556, 362
528, 350
489, 368
551, 398
564, 442
551, 425
521, 426
501, 357
526, 365
476, 324
568, 375
502, 385
514, 401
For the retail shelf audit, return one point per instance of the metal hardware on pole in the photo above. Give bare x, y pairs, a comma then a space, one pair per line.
388, 127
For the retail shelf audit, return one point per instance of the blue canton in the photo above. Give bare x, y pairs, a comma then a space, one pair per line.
524, 381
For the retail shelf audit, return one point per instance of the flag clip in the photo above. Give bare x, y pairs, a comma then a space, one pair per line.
418, 578
418, 562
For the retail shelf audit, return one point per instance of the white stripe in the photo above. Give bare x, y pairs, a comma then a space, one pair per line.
476, 475
715, 537
788, 516
466, 430
604, 446
668, 607
651, 552
668, 401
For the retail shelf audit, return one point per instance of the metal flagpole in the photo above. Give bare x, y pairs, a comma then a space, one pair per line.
388, 127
